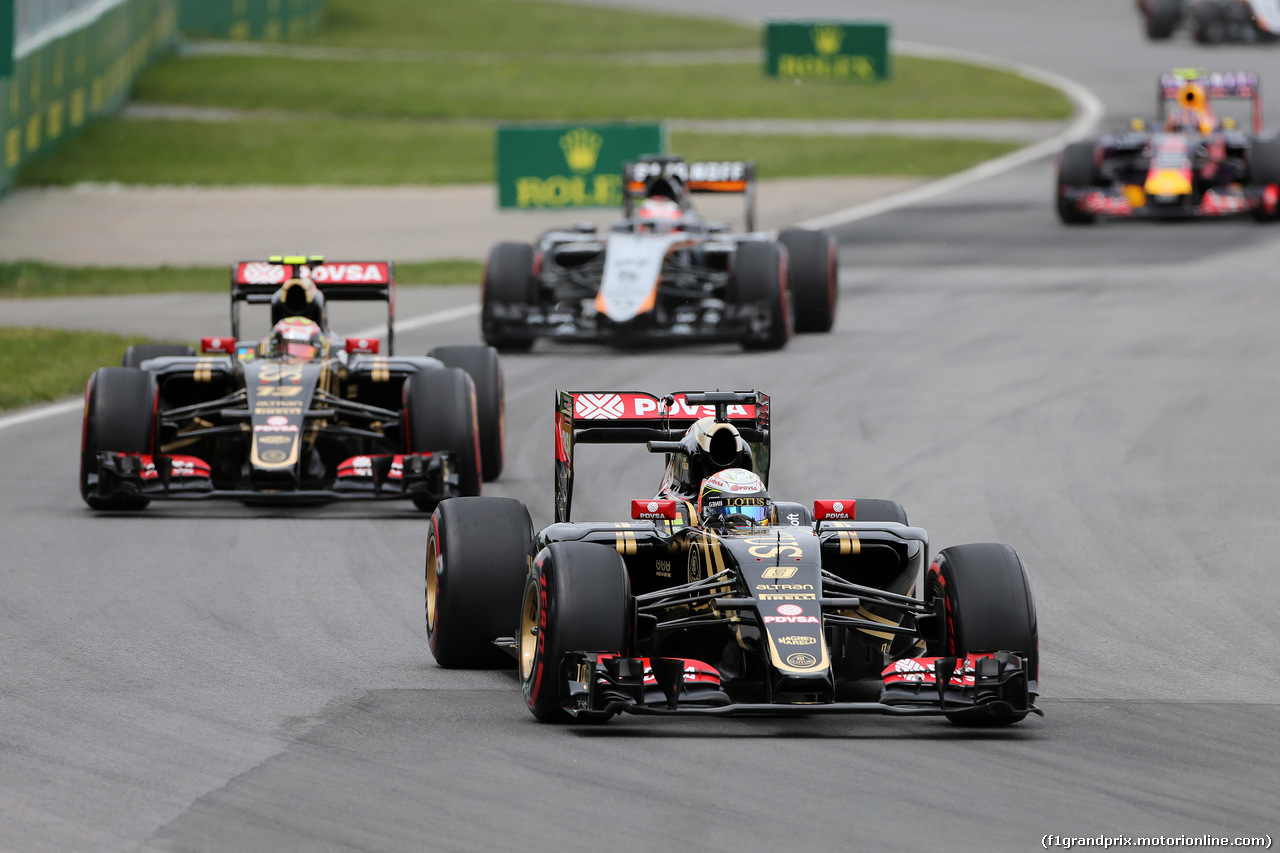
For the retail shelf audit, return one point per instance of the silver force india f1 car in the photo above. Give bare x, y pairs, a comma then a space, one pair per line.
1192, 164
715, 599
664, 274
300, 416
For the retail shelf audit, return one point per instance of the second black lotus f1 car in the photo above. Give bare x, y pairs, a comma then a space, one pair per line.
715, 599
299, 416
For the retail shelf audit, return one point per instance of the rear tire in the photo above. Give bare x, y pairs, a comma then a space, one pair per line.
872, 509
1075, 171
811, 277
477, 560
138, 353
485, 369
1264, 170
577, 599
759, 278
508, 281
1207, 24
989, 608
119, 415
1161, 18
440, 411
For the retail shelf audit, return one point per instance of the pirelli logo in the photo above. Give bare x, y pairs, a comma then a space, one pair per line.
788, 596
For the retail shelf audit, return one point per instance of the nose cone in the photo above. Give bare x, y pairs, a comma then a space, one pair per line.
1168, 182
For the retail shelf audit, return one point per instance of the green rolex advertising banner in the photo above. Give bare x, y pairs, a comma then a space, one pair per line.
569, 165
827, 50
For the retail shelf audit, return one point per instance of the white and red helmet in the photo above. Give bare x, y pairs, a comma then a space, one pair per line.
659, 213
297, 337
735, 497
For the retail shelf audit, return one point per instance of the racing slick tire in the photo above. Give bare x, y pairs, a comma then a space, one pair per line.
477, 559
485, 369
871, 509
989, 608
508, 280
811, 277
1075, 171
759, 277
1264, 171
119, 415
138, 353
1208, 23
440, 414
577, 599
1161, 17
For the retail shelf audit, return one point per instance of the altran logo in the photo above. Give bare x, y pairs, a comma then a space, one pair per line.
827, 39
581, 148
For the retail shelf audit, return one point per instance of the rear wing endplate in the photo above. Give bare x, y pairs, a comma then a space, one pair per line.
254, 282
711, 176
1240, 85
637, 417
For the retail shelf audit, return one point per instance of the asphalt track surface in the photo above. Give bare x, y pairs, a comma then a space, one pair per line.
210, 677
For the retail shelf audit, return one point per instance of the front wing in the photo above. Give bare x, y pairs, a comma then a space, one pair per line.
975, 686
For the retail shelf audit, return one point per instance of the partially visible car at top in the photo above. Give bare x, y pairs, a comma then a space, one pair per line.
1212, 21
1189, 163
664, 274
300, 416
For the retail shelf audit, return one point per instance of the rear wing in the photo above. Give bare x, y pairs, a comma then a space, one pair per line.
1219, 85
715, 176
254, 282
638, 417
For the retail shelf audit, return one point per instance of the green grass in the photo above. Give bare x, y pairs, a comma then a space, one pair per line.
528, 89
807, 156
47, 364
518, 27
32, 280
280, 152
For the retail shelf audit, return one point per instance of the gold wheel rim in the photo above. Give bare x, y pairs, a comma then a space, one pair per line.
529, 618
433, 581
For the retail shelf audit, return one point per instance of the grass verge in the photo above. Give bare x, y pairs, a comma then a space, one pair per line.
28, 279
288, 152
39, 365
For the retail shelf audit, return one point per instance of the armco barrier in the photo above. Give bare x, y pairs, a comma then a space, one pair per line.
265, 20
66, 69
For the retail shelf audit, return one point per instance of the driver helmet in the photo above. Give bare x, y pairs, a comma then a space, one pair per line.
659, 213
735, 498
297, 337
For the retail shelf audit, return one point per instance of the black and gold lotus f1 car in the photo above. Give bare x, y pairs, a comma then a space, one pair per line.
339, 419
687, 608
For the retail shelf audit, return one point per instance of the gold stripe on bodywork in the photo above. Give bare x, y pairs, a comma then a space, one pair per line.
625, 542
380, 371
850, 544
864, 613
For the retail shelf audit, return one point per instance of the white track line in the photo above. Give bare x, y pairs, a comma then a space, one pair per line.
408, 325
1089, 112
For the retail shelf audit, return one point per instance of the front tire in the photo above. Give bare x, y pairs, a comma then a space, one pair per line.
508, 282
1264, 171
577, 599
989, 608
440, 414
1075, 171
811, 277
759, 276
477, 560
1161, 18
485, 369
119, 416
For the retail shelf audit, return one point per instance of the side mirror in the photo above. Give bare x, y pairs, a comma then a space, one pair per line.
834, 510
654, 509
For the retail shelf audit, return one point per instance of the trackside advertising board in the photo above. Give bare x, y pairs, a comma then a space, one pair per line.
557, 166
71, 61
855, 51
259, 20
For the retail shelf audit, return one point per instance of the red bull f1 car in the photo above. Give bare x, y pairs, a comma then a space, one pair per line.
715, 599
304, 416
664, 274
1190, 164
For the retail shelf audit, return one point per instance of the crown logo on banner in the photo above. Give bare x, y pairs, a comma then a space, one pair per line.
827, 39
581, 148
